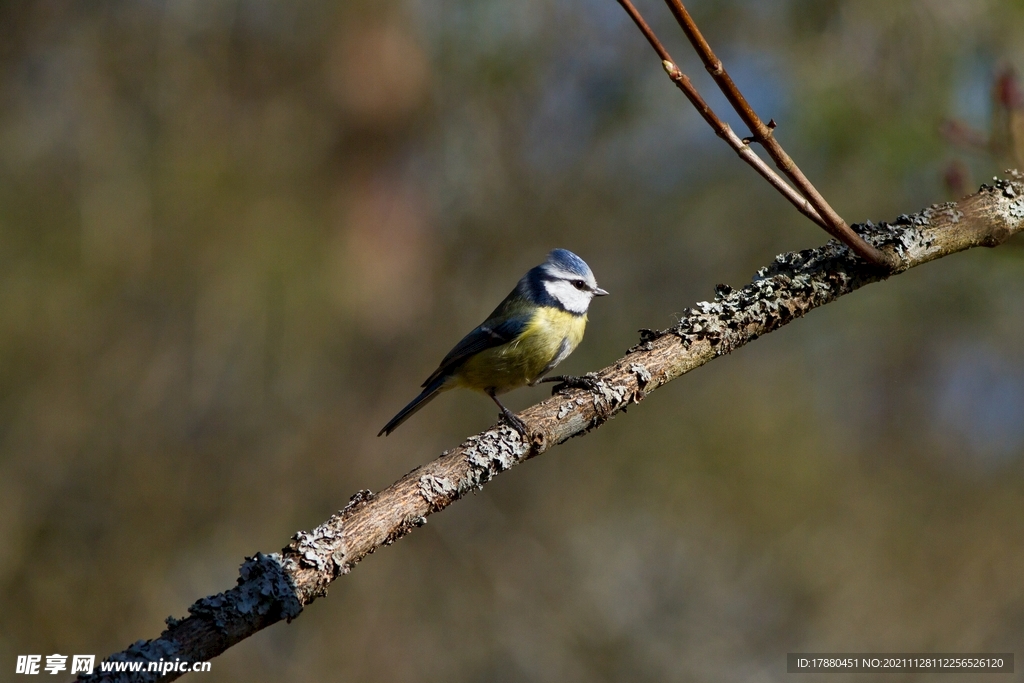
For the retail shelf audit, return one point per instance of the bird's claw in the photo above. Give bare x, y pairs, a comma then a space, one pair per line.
513, 421
589, 382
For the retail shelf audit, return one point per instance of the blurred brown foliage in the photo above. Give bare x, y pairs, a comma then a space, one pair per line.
1004, 140
234, 237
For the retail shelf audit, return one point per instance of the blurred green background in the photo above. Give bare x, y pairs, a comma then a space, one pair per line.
236, 236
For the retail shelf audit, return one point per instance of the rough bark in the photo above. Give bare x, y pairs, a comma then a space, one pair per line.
277, 586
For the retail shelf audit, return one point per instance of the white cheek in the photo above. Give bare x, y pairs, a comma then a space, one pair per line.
571, 298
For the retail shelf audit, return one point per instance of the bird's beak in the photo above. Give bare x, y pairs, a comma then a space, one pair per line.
600, 292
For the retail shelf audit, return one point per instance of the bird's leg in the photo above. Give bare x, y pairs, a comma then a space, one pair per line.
588, 381
513, 421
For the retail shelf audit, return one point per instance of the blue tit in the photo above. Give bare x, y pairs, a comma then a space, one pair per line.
534, 329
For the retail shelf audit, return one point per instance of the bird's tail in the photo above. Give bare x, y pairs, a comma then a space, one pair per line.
428, 394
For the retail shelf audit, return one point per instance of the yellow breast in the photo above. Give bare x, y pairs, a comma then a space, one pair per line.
522, 360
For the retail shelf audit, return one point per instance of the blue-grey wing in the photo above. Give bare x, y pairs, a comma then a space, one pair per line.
492, 332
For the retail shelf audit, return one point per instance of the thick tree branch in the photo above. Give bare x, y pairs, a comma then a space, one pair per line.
277, 586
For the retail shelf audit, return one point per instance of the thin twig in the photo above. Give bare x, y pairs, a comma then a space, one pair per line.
762, 133
722, 129
277, 586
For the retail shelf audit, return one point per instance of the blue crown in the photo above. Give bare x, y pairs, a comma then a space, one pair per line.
569, 262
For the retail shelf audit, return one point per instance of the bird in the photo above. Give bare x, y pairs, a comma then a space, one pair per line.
531, 331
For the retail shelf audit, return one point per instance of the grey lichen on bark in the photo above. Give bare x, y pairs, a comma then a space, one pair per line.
276, 586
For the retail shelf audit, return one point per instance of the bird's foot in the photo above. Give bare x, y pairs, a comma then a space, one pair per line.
588, 381
513, 421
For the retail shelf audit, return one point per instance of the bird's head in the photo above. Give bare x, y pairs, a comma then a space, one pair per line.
568, 280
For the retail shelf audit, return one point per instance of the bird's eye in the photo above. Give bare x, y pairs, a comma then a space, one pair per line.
579, 284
